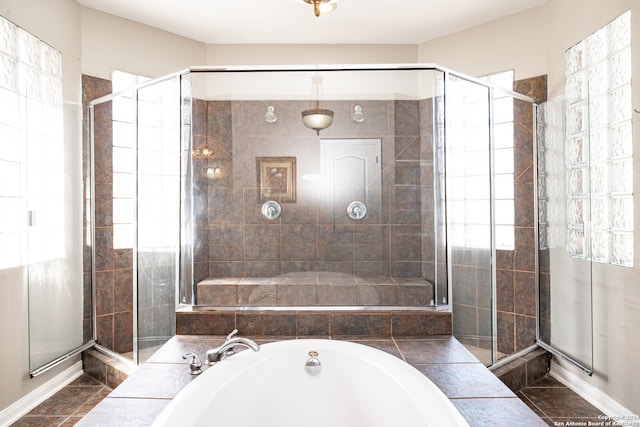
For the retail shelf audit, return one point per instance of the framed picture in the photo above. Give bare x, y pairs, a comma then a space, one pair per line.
276, 179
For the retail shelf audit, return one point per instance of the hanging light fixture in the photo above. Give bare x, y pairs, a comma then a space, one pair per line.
322, 6
317, 118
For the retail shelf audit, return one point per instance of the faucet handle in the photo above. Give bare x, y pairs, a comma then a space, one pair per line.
231, 335
230, 351
195, 365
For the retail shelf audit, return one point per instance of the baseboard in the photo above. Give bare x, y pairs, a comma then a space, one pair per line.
591, 394
22, 407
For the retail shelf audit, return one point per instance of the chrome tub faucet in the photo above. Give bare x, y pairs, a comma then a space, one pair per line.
227, 348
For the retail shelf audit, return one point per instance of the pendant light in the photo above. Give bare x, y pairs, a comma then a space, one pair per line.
317, 118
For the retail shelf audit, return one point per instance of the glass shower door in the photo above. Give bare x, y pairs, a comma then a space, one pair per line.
469, 215
564, 206
157, 214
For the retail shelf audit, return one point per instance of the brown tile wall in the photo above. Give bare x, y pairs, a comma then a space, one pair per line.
427, 193
235, 240
516, 273
309, 323
114, 267
525, 370
105, 369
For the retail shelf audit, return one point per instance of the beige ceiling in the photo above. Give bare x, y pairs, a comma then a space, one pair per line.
290, 21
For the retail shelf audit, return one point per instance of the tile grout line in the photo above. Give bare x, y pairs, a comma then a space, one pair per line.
395, 343
545, 415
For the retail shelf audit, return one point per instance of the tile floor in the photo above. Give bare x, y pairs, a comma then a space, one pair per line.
68, 406
557, 405
550, 399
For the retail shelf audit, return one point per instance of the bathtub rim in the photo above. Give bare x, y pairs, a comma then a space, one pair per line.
407, 369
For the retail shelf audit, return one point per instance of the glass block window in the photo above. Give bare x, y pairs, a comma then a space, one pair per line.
155, 169
551, 170
503, 174
469, 176
598, 146
32, 175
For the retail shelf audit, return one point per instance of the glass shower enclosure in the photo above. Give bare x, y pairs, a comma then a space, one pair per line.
135, 176
209, 184
426, 155
354, 221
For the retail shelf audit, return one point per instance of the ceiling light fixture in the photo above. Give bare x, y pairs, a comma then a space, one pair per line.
322, 6
317, 118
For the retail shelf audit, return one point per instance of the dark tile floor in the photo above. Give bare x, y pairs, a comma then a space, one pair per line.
558, 405
68, 406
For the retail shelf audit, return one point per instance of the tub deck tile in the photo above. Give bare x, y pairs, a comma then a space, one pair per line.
483, 412
155, 381
424, 351
118, 412
387, 346
479, 396
465, 380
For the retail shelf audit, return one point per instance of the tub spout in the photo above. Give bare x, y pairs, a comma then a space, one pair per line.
217, 354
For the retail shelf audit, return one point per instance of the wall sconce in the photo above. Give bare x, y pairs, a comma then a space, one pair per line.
317, 118
358, 114
202, 152
212, 171
270, 117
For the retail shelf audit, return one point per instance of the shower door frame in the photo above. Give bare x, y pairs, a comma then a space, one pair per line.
188, 290
94, 323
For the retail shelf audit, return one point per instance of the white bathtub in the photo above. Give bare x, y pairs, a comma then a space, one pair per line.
357, 386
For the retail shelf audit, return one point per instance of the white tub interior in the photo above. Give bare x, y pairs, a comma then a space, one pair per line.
357, 386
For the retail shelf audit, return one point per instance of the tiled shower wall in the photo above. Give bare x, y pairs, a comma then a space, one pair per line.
92, 88
235, 240
516, 275
114, 268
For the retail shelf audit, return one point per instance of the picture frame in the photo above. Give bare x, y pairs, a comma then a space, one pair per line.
276, 179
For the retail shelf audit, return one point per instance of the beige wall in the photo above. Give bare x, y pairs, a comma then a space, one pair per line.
309, 54
57, 22
516, 42
112, 43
